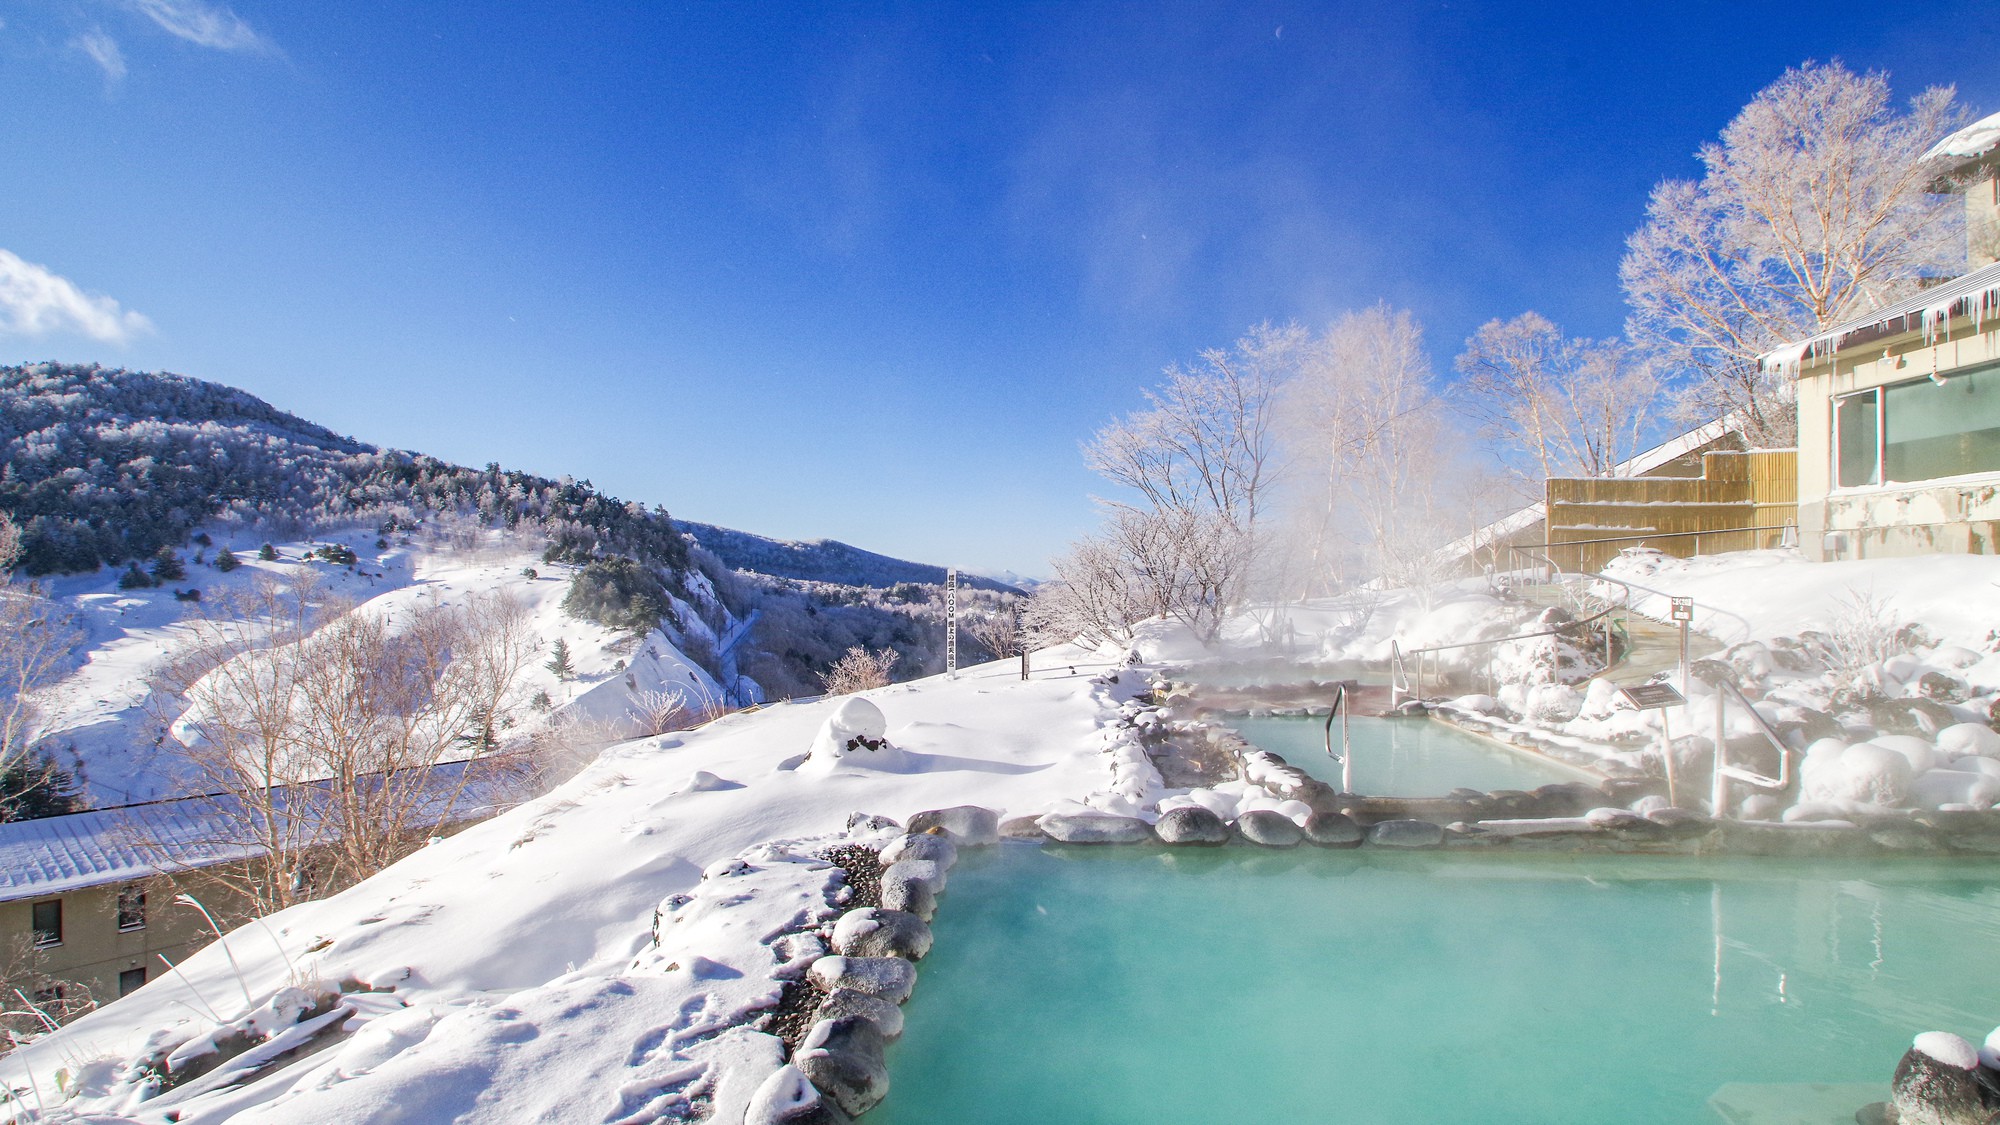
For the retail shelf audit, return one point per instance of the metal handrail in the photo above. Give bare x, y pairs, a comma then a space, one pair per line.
1399, 679
1658, 535
1719, 785
1346, 755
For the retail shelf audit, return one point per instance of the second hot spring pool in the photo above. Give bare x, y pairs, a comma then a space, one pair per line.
1403, 757
1145, 986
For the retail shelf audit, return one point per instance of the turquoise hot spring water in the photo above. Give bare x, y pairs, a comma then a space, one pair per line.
1402, 757
1157, 986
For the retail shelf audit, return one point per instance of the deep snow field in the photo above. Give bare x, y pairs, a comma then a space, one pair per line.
108, 713
512, 972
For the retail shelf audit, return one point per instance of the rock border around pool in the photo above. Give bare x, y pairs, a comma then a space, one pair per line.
839, 1069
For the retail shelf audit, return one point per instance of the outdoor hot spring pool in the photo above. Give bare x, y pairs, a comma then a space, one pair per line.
1403, 757
1153, 987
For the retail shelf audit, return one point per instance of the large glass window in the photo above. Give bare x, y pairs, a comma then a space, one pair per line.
1942, 430
1917, 431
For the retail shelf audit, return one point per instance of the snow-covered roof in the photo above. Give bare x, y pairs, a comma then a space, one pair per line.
66, 853
1969, 143
57, 854
1976, 295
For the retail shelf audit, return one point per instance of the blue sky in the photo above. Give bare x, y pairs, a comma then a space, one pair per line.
860, 271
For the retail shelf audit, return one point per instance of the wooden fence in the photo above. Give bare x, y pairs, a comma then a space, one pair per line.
1741, 501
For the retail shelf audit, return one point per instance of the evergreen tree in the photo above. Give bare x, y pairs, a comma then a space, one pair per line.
37, 787
167, 567
226, 560
559, 661
268, 553
135, 579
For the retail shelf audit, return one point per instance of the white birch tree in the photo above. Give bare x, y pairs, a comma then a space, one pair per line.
1572, 406
1811, 209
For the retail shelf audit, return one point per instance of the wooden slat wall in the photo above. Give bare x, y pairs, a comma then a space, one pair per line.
1736, 491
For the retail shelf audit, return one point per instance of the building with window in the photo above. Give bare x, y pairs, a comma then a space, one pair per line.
88, 908
1899, 410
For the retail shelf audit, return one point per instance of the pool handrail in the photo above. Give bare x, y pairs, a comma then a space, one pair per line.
1399, 678
1719, 784
1346, 755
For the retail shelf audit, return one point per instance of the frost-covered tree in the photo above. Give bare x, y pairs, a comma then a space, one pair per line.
1811, 209
1196, 463
1369, 455
859, 669
331, 728
38, 639
1570, 406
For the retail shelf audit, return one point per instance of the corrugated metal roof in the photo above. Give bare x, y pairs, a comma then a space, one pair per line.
57, 854
1977, 295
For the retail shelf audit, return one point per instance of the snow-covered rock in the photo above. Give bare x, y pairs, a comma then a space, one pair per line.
935, 847
843, 1057
855, 735
1095, 828
1937, 1083
965, 824
1864, 774
1191, 824
1269, 828
890, 978
1968, 738
887, 1017
874, 932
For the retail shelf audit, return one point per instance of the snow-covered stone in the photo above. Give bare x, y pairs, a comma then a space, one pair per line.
1938, 1083
965, 824
855, 735
1864, 774
1332, 830
874, 932
1269, 828
1920, 753
1966, 788
933, 846
890, 978
887, 1017
788, 1097
843, 1057
910, 894
1095, 828
923, 871
1191, 824
1960, 739
1405, 834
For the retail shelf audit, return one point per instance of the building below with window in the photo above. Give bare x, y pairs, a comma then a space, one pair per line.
89, 902
87, 911
1899, 410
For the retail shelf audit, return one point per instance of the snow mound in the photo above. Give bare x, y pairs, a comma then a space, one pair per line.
1949, 1049
855, 735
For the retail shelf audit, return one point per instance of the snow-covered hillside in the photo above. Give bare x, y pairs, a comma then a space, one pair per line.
117, 726
518, 973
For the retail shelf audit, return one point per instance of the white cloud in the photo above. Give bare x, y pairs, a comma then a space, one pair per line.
103, 50
201, 24
35, 302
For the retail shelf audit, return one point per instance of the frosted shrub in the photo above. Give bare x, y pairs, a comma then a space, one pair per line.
859, 670
1860, 633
